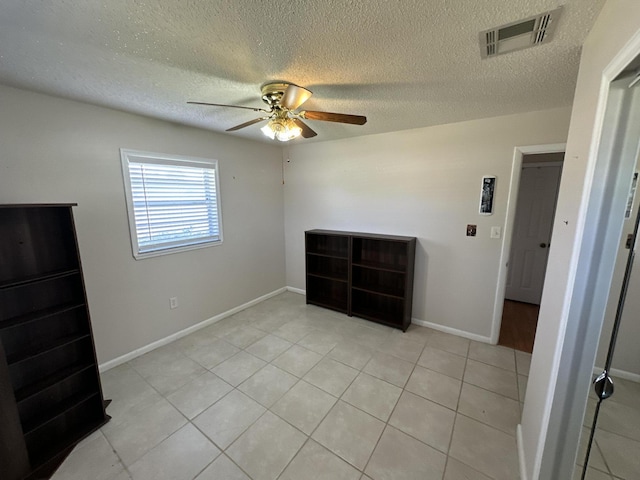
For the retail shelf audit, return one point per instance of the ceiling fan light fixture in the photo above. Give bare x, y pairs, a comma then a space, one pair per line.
285, 122
283, 129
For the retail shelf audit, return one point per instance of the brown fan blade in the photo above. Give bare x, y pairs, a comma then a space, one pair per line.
246, 124
334, 117
231, 106
306, 131
294, 96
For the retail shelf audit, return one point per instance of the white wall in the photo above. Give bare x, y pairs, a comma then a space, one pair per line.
617, 25
55, 150
423, 183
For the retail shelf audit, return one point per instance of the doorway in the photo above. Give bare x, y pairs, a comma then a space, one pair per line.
535, 209
610, 438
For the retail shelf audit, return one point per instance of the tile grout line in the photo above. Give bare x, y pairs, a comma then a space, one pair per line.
299, 379
124, 467
606, 463
391, 414
167, 400
415, 364
338, 399
455, 418
145, 453
219, 447
388, 338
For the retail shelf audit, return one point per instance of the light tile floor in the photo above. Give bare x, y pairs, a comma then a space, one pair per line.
288, 391
614, 454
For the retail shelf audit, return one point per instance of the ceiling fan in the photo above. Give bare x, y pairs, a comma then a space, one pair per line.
285, 123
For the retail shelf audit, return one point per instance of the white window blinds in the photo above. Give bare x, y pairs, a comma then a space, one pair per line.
173, 202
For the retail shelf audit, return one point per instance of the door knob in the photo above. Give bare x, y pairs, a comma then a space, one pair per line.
543, 245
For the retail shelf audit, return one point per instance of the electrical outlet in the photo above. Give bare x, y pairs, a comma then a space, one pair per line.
173, 302
495, 232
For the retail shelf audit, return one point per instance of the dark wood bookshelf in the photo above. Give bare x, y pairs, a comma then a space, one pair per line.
22, 320
32, 352
50, 393
376, 269
378, 266
68, 429
327, 270
57, 410
328, 243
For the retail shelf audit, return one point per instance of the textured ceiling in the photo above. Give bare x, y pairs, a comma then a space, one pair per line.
402, 63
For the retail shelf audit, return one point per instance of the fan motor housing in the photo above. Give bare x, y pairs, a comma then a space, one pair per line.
272, 92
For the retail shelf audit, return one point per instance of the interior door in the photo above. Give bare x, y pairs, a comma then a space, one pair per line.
610, 449
535, 209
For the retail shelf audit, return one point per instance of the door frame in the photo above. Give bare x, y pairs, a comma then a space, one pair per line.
550, 430
519, 211
505, 251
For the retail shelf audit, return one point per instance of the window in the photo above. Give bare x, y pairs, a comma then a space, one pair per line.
173, 202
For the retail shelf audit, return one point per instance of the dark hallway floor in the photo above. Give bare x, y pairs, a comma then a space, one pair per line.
519, 322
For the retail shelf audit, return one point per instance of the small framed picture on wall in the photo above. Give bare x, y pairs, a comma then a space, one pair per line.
487, 194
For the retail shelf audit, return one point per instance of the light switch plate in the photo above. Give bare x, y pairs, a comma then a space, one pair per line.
495, 232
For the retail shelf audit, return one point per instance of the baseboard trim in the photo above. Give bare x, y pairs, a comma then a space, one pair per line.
521, 462
103, 367
633, 377
297, 290
452, 331
424, 323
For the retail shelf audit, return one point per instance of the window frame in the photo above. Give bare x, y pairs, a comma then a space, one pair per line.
137, 156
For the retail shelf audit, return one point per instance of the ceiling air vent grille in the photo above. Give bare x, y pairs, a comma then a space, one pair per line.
518, 35
491, 43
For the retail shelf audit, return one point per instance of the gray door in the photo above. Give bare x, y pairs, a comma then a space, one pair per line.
535, 209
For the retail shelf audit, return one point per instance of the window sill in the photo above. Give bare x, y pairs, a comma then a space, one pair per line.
172, 250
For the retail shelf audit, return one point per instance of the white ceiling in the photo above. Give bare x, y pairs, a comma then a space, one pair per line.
402, 63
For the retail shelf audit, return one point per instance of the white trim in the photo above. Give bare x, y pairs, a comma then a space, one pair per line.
452, 331
521, 461
103, 367
424, 323
512, 200
542, 164
547, 148
626, 54
632, 377
580, 222
297, 290
128, 156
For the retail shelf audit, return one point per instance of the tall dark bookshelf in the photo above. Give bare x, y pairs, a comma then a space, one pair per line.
364, 275
50, 392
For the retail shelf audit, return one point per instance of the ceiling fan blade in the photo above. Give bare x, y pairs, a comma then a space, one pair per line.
246, 124
294, 96
306, 131
231, 106
334, 117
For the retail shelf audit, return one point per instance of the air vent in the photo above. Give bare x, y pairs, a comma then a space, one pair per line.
518, 35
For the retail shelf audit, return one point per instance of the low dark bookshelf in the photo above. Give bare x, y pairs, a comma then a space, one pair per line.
50, 392
327, 266
361, 274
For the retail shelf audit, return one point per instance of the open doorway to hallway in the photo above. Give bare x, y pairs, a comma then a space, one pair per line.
535, 209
